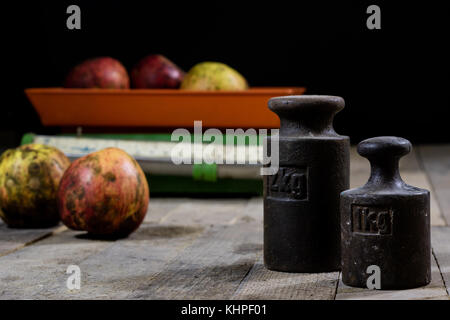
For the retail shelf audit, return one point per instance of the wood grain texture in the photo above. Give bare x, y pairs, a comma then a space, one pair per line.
436, 161
440, 240
14, 239
263, 284
160, 207
411, 172
34, 271
38, 271
118, 269
114, 269
128, 264
215, 264
205, 212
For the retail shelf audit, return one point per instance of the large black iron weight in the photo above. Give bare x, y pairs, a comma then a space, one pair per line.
301, 201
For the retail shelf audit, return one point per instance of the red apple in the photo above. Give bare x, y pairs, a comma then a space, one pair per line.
156, 71
101, 72
104, 193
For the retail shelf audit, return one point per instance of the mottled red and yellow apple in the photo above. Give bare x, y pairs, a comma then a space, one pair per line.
104, 193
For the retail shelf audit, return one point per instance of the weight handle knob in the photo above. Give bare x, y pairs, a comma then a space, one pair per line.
307, 115
384, 154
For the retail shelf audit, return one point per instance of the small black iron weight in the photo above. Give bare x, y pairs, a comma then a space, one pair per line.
386, 223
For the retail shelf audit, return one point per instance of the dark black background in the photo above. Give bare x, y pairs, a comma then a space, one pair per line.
394, 80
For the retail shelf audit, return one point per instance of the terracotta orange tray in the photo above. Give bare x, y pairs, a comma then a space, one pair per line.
157, 107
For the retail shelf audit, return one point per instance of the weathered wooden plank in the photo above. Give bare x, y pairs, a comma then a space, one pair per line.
114, 271
29, 273
440, 239
39, 271
435, 290
160, 207
14, 239
191, 254
411, 172
206, 212
263, 284
214, 265
436, 161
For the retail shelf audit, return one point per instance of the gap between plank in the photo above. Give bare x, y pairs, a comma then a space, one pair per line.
337, 285
246, 275
440, 272
31, 242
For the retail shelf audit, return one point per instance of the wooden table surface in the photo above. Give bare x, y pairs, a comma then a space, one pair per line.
207, 249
